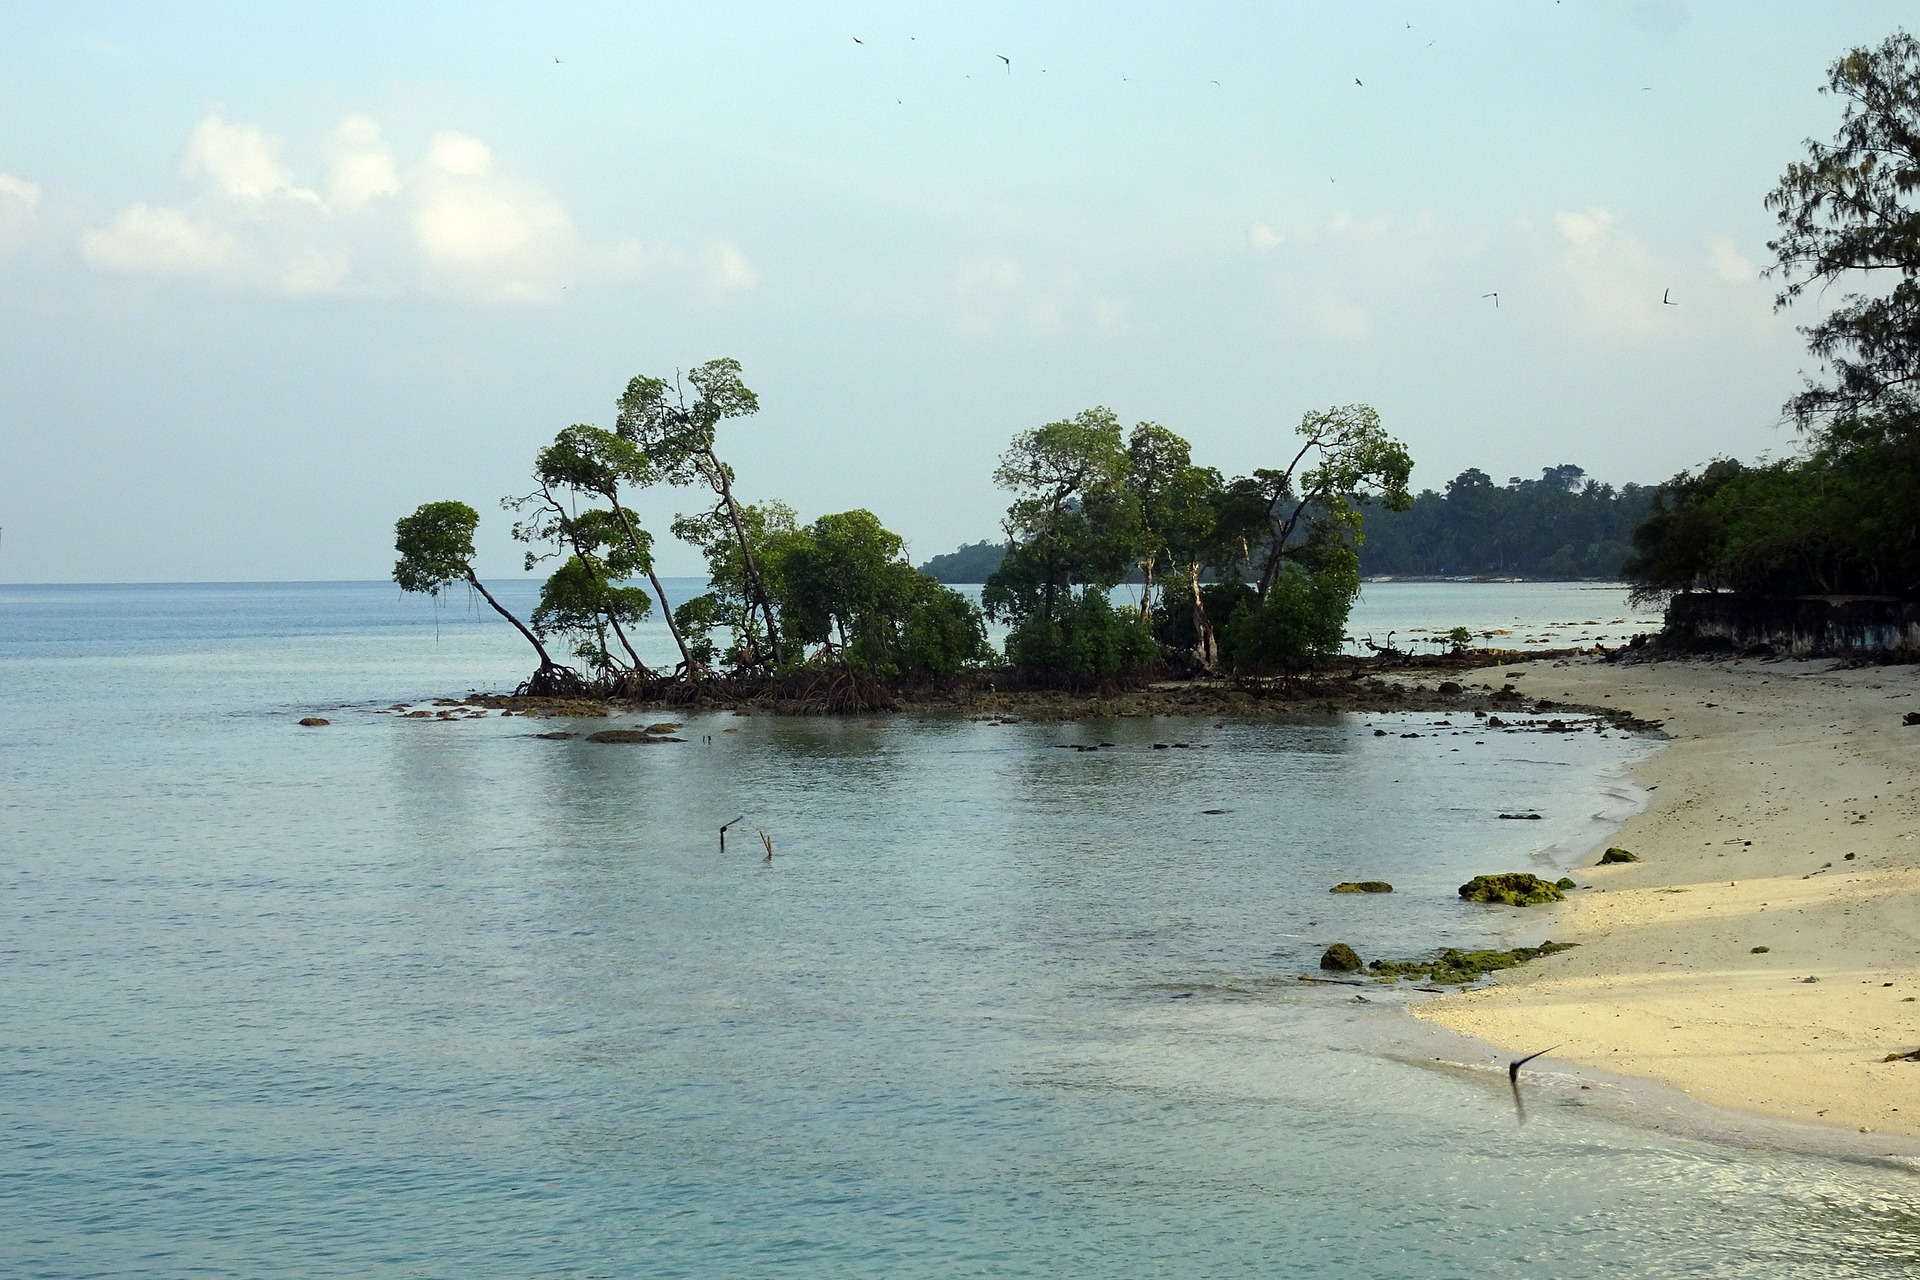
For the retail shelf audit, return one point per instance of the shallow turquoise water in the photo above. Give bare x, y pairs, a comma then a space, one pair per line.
404, 998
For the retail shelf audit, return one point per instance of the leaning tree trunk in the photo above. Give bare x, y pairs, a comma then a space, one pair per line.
546, 660
659, 592
718, 475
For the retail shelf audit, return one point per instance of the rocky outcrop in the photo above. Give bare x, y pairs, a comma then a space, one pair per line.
1341, 958
1512, 888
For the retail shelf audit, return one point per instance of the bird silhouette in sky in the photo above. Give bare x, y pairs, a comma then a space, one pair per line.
1495, 297
1009, 61
1356, 80
1666, 300
858, 40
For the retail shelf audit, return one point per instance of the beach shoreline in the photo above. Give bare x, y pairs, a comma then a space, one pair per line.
1693, 962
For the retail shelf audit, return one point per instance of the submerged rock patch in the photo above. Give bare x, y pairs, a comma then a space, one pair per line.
1453, 967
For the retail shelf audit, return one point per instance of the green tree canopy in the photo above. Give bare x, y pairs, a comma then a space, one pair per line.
1848, 213
678, 437
436, 550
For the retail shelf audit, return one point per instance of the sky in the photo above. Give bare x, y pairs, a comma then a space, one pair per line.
268, 281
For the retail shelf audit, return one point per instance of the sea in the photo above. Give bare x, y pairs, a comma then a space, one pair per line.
398, 997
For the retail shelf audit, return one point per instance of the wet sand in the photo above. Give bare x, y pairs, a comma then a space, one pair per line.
1775, 773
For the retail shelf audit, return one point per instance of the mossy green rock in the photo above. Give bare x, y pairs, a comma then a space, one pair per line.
1457, 968
1612, 856
1512, 888
1341, 958
1362, 886
1565, 882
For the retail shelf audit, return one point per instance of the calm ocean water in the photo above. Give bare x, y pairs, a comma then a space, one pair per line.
405, 998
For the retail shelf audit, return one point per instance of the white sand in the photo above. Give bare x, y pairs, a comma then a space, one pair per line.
1756, 803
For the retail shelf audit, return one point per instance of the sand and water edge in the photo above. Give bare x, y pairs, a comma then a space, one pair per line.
1694, 962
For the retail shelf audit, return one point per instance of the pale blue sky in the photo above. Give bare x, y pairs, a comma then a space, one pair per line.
268, 282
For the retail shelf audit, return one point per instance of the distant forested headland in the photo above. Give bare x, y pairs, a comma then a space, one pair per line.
1562, 526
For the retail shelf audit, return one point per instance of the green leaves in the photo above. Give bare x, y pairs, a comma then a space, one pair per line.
1848, 212
1073, 524
435, 545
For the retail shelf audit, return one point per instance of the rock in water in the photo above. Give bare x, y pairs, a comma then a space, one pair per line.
1512, 888
1614, 855
629, 735
315, 722
1362, 886
1341, 958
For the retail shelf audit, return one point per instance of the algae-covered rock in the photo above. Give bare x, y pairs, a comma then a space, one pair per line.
1513, 888
1340, 958
1617, 854
1457, 968
1362, 886
1565, 882
314, 722
629, 735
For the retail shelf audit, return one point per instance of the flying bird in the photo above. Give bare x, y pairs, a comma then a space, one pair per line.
1356, 80
858, 40
1513, 1068
1665, 299
1009, 61
1495, 297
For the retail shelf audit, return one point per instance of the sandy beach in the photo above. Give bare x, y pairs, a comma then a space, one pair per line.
1764, 953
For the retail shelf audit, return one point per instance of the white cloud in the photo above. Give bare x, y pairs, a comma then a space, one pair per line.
490, 237
143, 240
732, 273
1617, 281
362, 166
1264, 237
19, 213
454, 222
1344, 320
459, 155
313, 272
1729, 263
240, 162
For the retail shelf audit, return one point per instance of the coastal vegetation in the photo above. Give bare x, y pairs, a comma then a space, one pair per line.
1563, 526
1253, 575
1842, 515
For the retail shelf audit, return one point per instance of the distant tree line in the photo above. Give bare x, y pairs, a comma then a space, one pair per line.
1561, 526
1842, 516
